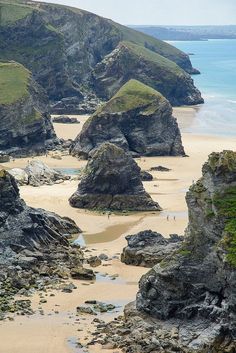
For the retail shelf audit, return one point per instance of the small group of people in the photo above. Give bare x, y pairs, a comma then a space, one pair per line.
168, 218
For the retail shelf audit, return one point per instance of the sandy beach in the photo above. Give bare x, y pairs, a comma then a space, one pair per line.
57, 330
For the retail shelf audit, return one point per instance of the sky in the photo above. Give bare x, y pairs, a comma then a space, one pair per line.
161, 12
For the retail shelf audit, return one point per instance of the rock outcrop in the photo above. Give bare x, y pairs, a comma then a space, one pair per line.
131, 61
33, 244
149, 248
112, 181
40, 174
62, 45
137, 119
65, 120
188, 303
25, 125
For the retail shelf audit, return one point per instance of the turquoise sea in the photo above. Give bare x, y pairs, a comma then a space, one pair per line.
216, 59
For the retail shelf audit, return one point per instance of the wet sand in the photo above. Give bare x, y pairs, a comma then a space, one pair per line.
50, 333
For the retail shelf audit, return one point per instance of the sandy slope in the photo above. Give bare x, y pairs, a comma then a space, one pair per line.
50, 333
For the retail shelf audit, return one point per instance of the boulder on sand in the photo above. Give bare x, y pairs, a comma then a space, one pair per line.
39, 174
112, 181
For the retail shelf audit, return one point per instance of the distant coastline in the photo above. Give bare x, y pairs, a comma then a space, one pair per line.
188, 33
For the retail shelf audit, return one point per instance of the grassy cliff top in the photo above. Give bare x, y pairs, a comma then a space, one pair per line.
14, 80
11, 12
133, 95
153, 57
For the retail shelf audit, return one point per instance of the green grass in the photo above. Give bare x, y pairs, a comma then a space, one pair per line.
12, 12
132, 95
226, 206
14, 80
153, 57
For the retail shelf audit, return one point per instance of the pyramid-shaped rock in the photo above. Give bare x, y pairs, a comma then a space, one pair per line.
112, 181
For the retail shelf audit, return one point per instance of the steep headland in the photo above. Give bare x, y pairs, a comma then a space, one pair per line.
25, 125
137, 119
112, 181
62, 46
130, 60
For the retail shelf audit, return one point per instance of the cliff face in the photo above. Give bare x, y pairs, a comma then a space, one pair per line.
187, 302
25, 124
137, 119
197, 286
62, 45
129, 61
112, 181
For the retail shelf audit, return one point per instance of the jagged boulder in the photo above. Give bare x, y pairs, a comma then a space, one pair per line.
187, 302
137, 119
112, 181
25, 125
131, 61
149, 248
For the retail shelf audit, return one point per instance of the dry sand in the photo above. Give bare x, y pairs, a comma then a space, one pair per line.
50, 333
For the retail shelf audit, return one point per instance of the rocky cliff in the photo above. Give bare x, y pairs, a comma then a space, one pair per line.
137, 119
62, 46
112, 181
131, 61
25, 125
187, 303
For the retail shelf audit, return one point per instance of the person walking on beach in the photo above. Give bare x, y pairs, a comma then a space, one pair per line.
167, 218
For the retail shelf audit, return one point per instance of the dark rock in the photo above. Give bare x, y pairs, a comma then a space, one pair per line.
33, 244
65, 120
112, 181
160, 168
83, 274
25, 124
145, 176
4, 158
149, 248
137, 119
40, 174
131, 61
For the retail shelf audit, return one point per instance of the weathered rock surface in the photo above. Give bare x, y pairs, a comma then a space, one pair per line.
188, 303
145, 176
25, 125
33, 245
20, 176
137, 119
39, 174
130, 61
112, 181
65, 120
62, 45
149, 248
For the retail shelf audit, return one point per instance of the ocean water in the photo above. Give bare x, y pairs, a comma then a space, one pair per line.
216, 59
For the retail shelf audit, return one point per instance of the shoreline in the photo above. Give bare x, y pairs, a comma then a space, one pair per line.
50, 332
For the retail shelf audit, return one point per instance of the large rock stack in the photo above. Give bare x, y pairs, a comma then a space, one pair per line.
137, 119
112, 181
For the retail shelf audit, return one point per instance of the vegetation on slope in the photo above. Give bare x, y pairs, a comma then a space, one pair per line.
12, 12
226, 206
133, 95
13, 82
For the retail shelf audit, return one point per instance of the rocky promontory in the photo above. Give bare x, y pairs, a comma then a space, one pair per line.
112, 181
131, 61
34, 246
137, 119
25, 125
187, 303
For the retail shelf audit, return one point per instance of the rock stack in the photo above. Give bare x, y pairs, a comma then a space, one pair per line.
112, 181
137, 119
